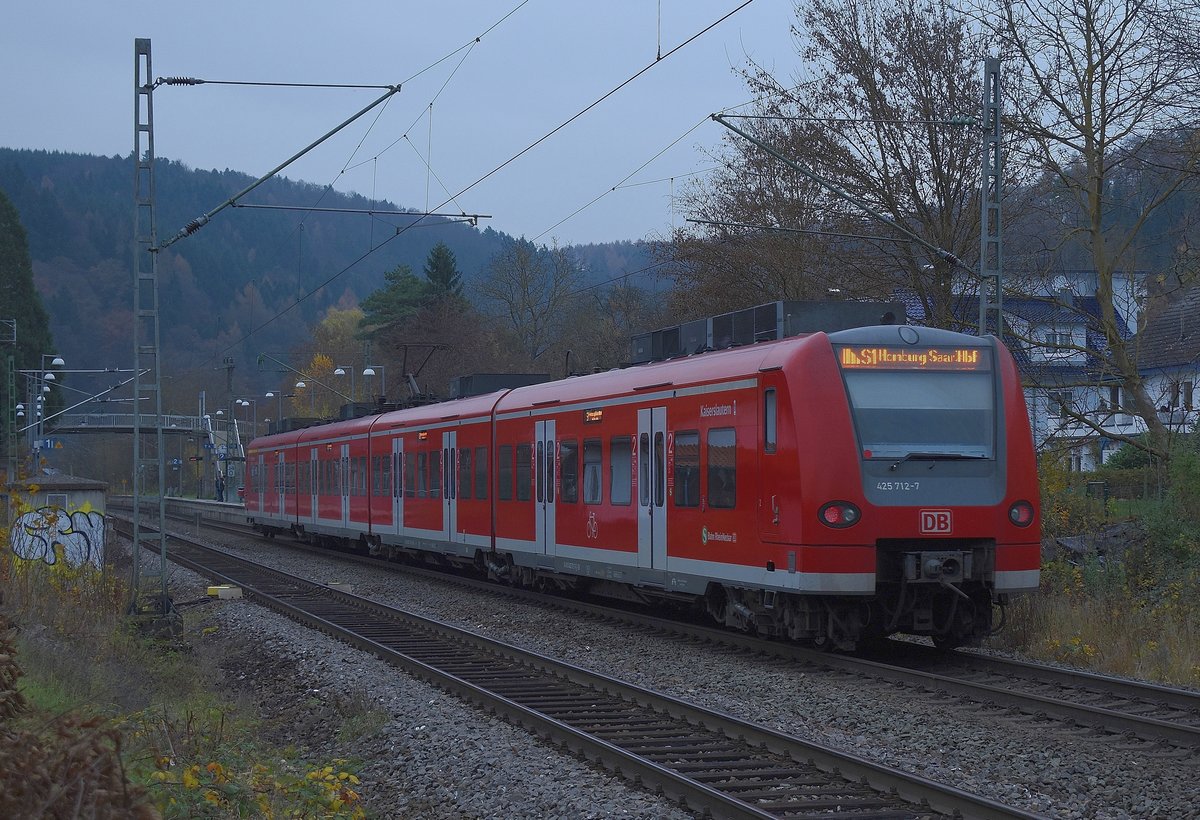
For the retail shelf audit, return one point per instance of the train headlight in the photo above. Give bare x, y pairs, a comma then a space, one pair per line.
839, 514
1021, 513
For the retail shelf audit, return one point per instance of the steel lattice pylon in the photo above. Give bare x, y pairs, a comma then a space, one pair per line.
991, 287
148, 590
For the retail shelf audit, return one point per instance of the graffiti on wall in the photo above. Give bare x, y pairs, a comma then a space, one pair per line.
51, 534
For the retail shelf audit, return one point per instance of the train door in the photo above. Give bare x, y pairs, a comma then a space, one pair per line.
279, 484
652, 487
398, 484
544, 467
449, 486
314, 484
344, 482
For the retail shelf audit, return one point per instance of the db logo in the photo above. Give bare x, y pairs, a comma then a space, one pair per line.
935, 521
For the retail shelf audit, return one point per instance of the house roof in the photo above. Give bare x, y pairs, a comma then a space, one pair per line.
1081, 310
1172, 334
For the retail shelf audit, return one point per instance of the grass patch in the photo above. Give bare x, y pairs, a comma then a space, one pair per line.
84, 682
1133, 611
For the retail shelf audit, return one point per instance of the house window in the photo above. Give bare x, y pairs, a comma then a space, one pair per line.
1186, 391
1057, 401
1114, 397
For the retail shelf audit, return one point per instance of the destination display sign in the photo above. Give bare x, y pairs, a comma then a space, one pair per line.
913, 358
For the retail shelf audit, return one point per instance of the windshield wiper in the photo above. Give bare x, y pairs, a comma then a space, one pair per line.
937, 457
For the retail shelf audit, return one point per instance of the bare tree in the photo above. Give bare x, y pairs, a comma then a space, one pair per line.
875, 107
531, 288
1102, 93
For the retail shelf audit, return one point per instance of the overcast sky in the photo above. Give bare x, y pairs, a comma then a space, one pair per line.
68, 85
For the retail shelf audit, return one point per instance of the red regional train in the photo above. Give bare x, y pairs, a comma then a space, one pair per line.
832, 487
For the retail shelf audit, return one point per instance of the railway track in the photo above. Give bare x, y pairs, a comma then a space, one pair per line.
1155, 714
710, 761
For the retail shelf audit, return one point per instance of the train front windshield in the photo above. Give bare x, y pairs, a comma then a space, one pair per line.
921, 403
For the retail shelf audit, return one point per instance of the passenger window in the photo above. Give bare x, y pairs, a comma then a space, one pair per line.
506, 474
722, 467
464, 473
410, 475
435, 474
620, 462
422, 475
592, 491
524, 471
687, 469
569, 469
769, 420
481, 473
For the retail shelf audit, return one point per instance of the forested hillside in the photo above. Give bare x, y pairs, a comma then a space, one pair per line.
235, 274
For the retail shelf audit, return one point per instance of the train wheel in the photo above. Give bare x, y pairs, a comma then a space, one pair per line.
947, 643
717, 603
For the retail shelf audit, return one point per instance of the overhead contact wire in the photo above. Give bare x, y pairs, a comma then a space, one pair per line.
400, 231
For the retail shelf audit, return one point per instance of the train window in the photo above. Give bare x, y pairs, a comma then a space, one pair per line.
541, 471
550, 471
620, 477
435, 474
505, 472
644, 470
464, 473
687, 469
770, 420
592, 491
949, 413
385, 475
524, 471
422, 475
410, 475
568, 453
481, 473
722, 467
660, 470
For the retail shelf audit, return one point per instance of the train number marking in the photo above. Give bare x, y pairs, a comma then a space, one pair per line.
906, 486
936, 521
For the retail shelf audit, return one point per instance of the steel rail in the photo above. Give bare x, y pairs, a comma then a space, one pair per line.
1184, 734
316, 605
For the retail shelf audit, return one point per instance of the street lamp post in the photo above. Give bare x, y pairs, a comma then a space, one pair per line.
253, 405
343, 370
370, 369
